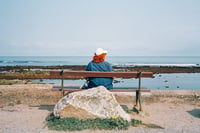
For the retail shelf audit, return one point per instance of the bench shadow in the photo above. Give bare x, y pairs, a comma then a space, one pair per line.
44, 107
195, 113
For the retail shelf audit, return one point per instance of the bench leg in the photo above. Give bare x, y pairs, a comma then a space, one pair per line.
138, 94
138, 100
62, 87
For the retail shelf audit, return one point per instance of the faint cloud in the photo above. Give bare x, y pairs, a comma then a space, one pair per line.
13, 44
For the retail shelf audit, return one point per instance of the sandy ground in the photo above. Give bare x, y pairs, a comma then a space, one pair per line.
23, 109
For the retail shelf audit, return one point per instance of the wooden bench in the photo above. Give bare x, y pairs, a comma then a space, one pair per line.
86, 74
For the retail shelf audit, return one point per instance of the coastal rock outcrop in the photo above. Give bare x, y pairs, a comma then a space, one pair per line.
91, 103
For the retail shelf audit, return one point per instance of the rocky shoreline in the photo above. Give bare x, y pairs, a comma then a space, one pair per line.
154, 69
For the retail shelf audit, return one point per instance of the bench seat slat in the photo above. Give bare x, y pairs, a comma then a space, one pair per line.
115, 89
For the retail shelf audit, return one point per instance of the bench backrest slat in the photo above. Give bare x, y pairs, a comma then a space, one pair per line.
85, 74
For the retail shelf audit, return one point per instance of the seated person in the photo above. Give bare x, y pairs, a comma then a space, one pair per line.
99, 64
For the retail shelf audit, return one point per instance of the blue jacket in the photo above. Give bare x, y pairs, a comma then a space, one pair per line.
101, 66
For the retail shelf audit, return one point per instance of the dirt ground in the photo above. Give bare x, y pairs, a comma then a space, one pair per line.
23, 109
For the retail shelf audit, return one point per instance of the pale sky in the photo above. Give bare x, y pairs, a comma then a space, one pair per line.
78, 27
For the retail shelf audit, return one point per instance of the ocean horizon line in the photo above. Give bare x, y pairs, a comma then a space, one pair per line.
92, 55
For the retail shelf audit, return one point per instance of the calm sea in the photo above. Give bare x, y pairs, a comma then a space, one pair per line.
114, 60
161, 81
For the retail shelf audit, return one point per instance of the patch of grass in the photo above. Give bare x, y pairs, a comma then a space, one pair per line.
135, 122
12, 82
18, 101
7, 82
11, 104
72, 123
25, 74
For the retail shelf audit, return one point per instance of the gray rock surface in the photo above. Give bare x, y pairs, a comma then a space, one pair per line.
91, 103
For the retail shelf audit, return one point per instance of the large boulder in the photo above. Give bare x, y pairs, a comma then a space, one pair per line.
91, 103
